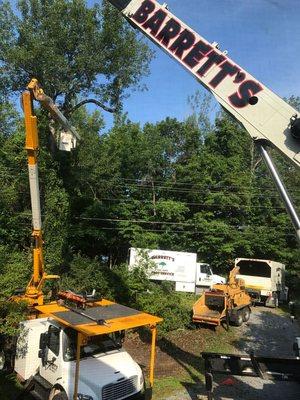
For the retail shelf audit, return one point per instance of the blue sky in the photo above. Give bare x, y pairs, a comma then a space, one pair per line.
263, 36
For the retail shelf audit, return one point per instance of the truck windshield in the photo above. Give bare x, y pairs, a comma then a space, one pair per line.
205, 269
96, 345
254, 268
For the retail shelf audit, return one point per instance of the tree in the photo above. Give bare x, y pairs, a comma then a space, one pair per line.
73, 50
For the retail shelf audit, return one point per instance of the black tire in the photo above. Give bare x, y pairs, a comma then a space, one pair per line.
277, 300
60, 396
246, 314
239, 318
2, 360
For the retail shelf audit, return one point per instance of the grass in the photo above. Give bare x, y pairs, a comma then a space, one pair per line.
219, 342
164, 387
284, 309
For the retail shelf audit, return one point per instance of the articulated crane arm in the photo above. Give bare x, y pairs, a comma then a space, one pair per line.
268, 119
33, 294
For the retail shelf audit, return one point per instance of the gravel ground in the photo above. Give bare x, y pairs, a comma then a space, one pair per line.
270, 333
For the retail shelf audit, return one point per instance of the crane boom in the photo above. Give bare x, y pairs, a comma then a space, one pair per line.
265, 116
33, 293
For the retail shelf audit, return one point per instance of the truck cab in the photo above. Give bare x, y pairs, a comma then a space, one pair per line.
46, 354
205, 278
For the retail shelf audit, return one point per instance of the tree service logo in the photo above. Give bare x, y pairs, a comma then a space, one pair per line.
195, 53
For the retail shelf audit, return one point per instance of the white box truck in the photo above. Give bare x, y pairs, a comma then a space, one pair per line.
175, 266
264, 280
46, 357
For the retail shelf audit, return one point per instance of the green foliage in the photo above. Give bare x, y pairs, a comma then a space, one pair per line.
163, 301
194, 186
71, 49
85, 274
10, 387
15, 271
55, 222
161, 186
11, 314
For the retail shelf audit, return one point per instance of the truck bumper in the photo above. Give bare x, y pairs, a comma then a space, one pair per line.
138, 396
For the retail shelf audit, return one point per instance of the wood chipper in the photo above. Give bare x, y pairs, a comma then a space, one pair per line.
229, 302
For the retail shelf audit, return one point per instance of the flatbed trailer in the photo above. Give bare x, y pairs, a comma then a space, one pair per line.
250, 365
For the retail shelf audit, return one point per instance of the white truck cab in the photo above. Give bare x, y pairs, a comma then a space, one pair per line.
205, 278
46, 351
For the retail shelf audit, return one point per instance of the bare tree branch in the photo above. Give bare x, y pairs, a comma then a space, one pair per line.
93, 101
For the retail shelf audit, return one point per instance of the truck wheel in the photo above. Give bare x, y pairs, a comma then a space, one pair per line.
2, 360
277, 300
239, 318
246, 314
274, 303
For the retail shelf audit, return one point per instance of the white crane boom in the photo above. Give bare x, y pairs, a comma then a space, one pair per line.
264, 115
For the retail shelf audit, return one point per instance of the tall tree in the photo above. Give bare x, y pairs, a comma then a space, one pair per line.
73, 50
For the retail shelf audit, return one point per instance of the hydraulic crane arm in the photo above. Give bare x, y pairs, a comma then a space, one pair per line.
46, 101
265, 115
268, 119
33, 294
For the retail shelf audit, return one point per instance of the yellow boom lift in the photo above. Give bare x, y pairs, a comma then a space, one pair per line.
34, 294
87, 316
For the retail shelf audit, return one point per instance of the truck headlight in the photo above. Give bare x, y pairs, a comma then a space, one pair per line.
81, 396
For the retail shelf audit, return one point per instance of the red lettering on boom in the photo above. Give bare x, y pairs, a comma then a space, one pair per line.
170, 31
184, 42
142, 14
192, 54
198, 52
155, 22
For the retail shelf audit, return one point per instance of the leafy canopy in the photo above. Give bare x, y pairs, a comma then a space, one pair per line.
71, 49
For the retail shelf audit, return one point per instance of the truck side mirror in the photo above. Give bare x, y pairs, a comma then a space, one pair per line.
43, 341
41, 353
42, 347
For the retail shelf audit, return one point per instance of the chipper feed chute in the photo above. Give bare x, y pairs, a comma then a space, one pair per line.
210, 308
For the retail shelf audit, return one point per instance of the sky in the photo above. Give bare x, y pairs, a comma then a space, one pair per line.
262, 36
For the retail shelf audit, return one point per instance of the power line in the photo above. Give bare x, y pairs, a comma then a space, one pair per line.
120, 200
185, 186
217, 233
140, 221
237, 207
179, 191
